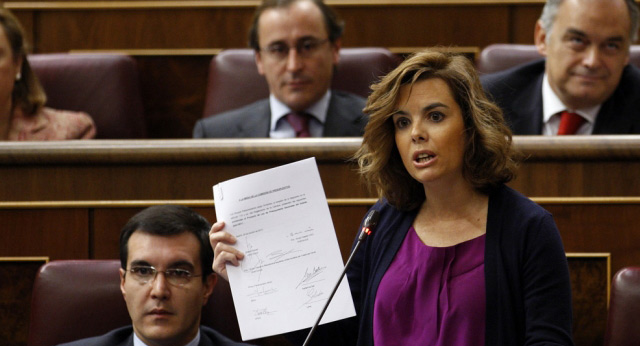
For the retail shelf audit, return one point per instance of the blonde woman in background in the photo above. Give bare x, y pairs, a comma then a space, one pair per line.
23, 116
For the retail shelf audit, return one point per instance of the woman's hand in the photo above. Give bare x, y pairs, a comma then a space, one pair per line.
223, 251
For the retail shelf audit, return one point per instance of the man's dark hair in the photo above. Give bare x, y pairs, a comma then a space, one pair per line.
168, 220
334, 25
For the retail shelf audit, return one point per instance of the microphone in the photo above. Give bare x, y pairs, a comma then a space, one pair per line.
370, 222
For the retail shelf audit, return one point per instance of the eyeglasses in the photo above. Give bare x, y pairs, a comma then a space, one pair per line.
175, 277
305, 48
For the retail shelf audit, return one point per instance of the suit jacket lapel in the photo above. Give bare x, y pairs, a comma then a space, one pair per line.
610, 119
613, 116
528, 106
257, 121
342, 117
127, 342
204, 339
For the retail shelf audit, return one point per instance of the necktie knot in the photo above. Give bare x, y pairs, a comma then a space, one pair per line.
570, 123
300, 123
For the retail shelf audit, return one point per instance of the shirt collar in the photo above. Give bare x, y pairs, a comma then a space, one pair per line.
194, 342
552, 105
318, 110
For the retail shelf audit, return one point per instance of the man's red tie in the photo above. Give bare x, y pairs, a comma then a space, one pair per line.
300, 123
570, 123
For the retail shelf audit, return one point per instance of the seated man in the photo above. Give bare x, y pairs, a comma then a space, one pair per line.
166, 278
297, 44
585, 86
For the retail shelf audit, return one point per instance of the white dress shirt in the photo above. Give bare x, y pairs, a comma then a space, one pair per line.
138, 342
552, 106
280, 127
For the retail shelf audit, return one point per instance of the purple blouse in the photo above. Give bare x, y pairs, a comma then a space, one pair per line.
432, 295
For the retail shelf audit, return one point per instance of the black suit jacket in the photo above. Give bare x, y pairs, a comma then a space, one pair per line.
344, 119
518, 91
124, 337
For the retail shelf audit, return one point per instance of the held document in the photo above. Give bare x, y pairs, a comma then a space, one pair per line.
292, 261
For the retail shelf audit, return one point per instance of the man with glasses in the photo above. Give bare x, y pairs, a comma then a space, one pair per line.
166, 278
296, 44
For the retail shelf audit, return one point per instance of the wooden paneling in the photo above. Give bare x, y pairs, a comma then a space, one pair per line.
522, 22
187, 169
173, 93
426, 25
59, 26
599, 225
54, 233
590, 281
172, 169
107, 223
568, 178
161, 181
142, 28
586, 224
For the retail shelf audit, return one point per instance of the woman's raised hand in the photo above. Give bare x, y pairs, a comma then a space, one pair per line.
223, 250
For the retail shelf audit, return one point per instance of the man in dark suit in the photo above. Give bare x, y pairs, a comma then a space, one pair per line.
585, 85
166, 278
296, 44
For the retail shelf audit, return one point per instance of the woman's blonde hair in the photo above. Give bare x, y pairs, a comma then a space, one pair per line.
27, 94
489, 159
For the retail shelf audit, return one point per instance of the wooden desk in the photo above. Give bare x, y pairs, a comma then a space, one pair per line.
121, 170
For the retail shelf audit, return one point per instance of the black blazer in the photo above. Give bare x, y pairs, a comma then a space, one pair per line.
344, 119
124, 337
518, 91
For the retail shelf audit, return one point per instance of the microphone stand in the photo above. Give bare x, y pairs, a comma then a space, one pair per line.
370, 221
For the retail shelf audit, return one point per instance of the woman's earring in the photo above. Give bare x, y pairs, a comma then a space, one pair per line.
18, 76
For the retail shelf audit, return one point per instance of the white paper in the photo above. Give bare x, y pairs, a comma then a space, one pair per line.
292, 261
